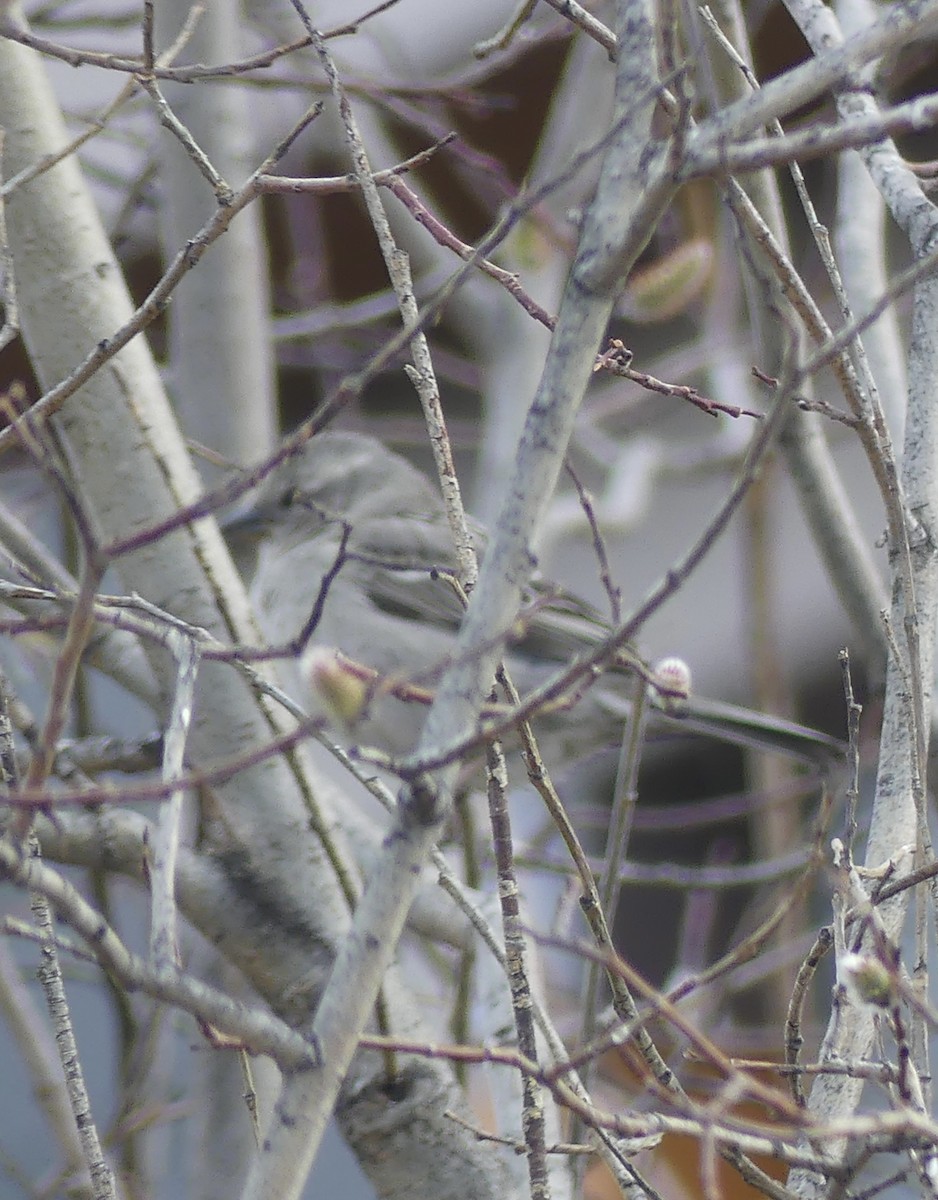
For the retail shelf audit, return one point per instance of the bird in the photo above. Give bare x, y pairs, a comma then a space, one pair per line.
353, 547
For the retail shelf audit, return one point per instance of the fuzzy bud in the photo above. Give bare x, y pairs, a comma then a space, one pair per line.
672, 677
866, 979
340, 688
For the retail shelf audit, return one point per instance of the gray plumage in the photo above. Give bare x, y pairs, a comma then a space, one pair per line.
387, 607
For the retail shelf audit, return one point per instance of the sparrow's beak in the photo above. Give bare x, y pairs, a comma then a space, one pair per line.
245, 522
244, 526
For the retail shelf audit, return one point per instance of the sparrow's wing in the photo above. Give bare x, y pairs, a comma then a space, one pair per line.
404, 562
414, 582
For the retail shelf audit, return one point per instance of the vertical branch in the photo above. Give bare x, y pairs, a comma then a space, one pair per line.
163, 940
615, 228
532, 1116
904, 740
221, 360
422, 374
50, 979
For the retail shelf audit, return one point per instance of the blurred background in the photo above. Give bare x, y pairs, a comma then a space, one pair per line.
759, 622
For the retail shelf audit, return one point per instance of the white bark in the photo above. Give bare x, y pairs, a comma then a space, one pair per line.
616, 227
904, 739
222, 370
286, 914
